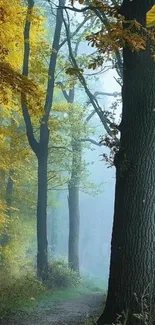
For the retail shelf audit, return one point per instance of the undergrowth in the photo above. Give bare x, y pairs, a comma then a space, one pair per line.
25, 292
61, 276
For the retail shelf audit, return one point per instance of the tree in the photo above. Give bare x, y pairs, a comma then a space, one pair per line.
76, 138
40, 148
132, 247
74, 135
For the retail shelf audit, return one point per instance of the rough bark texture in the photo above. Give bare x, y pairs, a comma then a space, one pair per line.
132, 247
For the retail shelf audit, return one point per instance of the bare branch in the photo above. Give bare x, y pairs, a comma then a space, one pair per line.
76, 9
53, 59
76, 31
90, 116
81, 78
60, 147
114, 94
92, 141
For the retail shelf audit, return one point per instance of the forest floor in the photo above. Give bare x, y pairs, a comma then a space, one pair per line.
72, 311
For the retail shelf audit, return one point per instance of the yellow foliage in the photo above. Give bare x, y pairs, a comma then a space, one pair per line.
63, 107
150, 17
12, 20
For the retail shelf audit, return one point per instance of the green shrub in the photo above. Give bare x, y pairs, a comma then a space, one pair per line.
61, 276
15, 291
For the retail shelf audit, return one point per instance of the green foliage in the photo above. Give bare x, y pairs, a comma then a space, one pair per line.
61, 276
15, 291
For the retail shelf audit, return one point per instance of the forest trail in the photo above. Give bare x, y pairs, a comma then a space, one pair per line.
70, 312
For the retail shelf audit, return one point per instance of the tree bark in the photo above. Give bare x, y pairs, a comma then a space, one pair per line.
73, 195
9, 191
53, 231
53, 226
74, 224
73, 205
42, 258
132, 247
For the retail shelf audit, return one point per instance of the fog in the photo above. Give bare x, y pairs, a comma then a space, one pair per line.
96, 212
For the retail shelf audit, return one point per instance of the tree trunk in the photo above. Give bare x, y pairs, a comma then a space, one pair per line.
73, 194
41, 148
74, 221
9, 192
132, 247
42, 258
53, 231
73, 199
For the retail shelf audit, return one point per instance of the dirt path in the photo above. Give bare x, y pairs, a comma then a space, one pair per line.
71, 312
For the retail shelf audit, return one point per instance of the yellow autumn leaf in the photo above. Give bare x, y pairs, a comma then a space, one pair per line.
150, 17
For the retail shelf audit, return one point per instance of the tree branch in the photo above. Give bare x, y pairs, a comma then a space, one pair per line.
81, 78
60, 147
114, 94
28, 123
75, 32
90, 116
92, 141
53, 59
76, 9
59, 83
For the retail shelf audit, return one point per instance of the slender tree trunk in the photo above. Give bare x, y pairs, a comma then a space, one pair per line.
41, 148
54, 231
8, 197
42, 258
9, 192
74, 211
73, 196
74, 225
132, 247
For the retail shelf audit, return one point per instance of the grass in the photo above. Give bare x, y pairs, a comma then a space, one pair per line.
46, 299
28, 296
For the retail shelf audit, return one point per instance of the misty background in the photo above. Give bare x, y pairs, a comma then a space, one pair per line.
96, 213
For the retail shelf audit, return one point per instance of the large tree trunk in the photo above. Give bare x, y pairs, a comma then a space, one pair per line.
42, 258
132, 248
